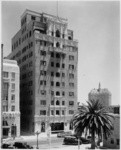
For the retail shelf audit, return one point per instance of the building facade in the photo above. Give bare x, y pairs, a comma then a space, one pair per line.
10, 100
102, 95
47, 54
113, 142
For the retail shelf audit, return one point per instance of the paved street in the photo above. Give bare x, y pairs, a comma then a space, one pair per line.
56, 143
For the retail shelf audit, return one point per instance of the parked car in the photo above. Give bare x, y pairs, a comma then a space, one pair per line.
7, 146
73, 139
22, 145
64, 133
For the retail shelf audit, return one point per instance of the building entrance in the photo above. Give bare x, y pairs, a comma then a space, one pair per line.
57, 126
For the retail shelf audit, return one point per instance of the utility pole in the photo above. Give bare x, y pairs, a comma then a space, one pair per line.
37, 133
1, 92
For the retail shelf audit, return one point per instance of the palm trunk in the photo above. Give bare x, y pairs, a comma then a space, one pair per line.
93, 140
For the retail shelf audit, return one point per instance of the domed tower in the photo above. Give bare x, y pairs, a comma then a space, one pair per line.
103, 95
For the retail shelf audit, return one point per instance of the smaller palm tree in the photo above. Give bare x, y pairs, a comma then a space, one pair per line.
94, 119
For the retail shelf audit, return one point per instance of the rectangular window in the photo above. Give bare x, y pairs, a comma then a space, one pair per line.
13, 86
42, 72
52, 83
63, 93
42, 112
63, 112
71, 57
52, 112
12, 97
43, 63
43, 102
71, 93
63, 75
71, 75
52, 74
63, 102
43, 92
13, 75
71, 103
63, 65
71, 67
43, 53
52, 93
52, 54
63, 84
13, 108
71, 84
112, 141
52, 64
57, 112
71, 112
5, 74
52, 102
117, 141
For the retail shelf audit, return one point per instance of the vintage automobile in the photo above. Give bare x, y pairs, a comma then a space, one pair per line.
64, 133
22, 145
73, 140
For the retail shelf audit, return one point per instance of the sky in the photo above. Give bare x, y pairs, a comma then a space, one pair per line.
96, 26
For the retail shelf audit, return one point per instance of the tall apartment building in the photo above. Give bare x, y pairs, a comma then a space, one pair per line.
10, 100
47, 55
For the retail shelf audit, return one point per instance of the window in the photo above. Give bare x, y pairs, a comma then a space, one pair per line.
52, 74
63, 112
13, 108
63, 56
52, 83
42, 112
52, 64
12, 97
5, 86
57, 74
112, 141
29, 33
63, 102
43, 92
57, 65
42, 72
57, 55
71, 112
58, 44
43, 53
5, 74
71, 75
63, 93
57, 93
52, 102
43, 63
57, 33
57, 102
71, 93
57, 83
32, 17
63, 75
71, 57
43, 102
52, 112
52, 93
71, 84
13, 75
42, 82
71, 103
71, 67
13, 86
57, 112
52, 54
117, 141
63, 65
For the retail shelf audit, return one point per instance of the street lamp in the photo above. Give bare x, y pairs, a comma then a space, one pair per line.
37, 133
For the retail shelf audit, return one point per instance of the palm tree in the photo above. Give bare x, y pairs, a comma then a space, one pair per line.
94, 119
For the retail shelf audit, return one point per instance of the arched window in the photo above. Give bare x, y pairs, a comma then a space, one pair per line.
58, 93
57, 33
57, 102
